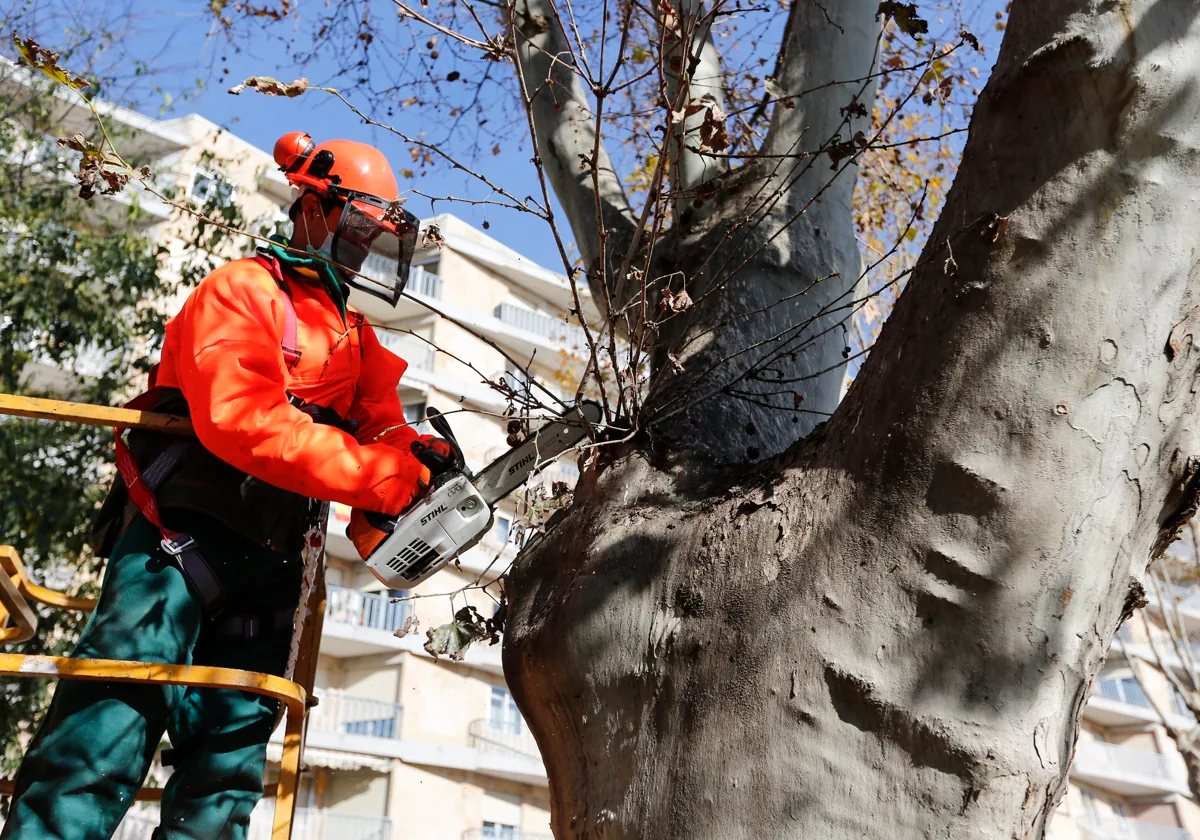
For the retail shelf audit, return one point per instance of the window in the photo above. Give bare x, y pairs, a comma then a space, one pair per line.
415, 415
500, 831
500, 528
209, 186
503, 715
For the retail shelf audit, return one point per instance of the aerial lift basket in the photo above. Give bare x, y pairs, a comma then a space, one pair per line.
18, 623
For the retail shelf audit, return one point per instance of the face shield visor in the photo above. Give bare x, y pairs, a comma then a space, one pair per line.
375, 238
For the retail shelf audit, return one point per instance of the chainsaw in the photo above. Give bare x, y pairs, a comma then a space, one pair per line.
457, 510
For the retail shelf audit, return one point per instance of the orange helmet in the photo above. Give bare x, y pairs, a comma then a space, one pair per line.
375, 237
340, 163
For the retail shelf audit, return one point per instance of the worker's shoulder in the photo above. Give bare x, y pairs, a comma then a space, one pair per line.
244, 277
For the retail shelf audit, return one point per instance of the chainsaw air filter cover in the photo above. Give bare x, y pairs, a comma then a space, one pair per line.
450, 519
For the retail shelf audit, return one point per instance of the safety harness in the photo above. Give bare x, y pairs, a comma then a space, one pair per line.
182, 548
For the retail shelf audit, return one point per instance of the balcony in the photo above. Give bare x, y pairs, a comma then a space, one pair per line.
346, 714
319, 824
365, 609
309, 824
1120, 828
505, 754
344, 723
1120, 703
359, 623
419, 354
1127, 771
422, 284
552, 330
365, 623
488, 737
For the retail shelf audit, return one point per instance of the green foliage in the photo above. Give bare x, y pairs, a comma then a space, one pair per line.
83, 294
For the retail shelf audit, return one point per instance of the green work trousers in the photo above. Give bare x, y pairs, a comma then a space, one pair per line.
94, 748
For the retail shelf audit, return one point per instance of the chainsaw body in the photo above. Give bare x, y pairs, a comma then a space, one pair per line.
456, 512
448, 520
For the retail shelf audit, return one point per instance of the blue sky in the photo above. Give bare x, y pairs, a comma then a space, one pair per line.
176, 39
176, 36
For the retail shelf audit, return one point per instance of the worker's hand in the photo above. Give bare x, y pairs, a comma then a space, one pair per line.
438, 454
368, 529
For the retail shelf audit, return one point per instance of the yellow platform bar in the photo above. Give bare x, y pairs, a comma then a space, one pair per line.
93, 415
116, 670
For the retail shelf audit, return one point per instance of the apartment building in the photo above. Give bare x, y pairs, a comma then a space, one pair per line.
1127, 780
402, 744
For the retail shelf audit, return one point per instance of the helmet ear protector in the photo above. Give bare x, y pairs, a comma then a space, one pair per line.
292, 150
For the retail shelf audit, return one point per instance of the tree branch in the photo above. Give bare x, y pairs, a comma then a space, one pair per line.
692, 74
567, 137
824, 51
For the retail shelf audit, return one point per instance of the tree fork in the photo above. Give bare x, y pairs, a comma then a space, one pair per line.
890, 629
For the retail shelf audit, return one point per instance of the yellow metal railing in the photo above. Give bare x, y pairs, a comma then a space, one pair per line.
18, 623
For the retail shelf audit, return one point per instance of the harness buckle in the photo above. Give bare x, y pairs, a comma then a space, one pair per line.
177, 546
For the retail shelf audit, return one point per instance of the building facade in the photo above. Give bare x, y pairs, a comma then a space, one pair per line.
1127, 779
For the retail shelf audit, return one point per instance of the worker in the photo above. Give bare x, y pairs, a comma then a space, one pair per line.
293, 399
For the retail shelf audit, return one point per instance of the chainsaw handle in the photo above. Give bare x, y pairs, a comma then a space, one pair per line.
442, 426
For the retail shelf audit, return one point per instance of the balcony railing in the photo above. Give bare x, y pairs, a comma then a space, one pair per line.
1123, 691
365, 609
487, 737
350, 715
553, 329
318, 824
1120, 828
420, 281
1124, 761
309, 824
418, 353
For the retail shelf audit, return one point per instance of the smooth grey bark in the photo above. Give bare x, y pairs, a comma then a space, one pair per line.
890, 629
565, 133
693, 77
774, 296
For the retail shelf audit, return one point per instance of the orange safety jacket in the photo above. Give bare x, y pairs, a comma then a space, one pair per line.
223, 352
238, 359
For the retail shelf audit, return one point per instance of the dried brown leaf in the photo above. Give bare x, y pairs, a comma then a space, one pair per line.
40, 58
433, 237
271, 86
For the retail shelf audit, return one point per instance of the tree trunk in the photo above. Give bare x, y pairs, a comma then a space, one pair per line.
890, 629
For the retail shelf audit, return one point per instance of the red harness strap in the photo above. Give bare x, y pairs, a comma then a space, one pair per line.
291, 343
